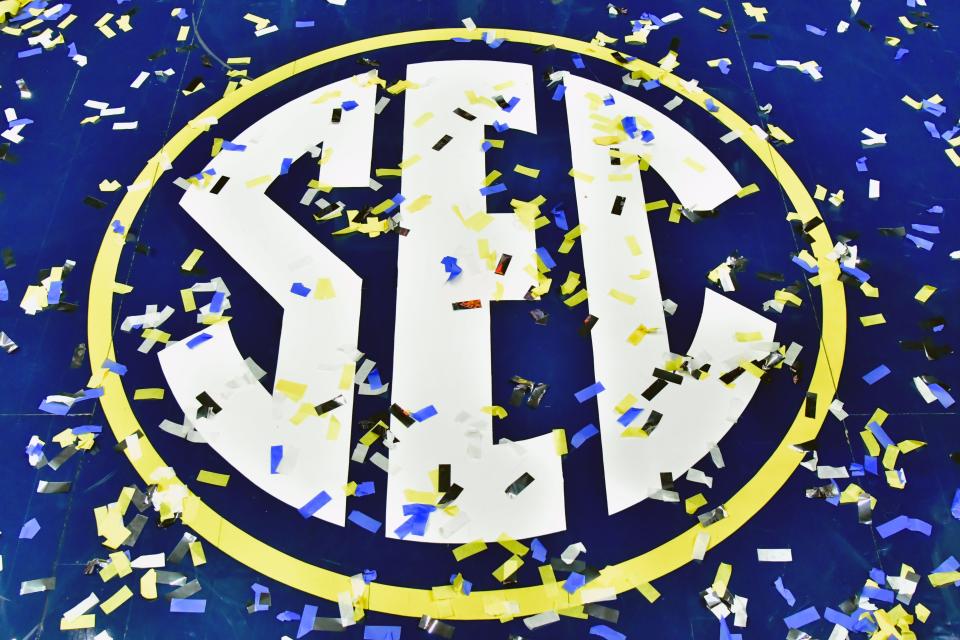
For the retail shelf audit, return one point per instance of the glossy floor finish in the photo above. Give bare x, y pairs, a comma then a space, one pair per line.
45, 179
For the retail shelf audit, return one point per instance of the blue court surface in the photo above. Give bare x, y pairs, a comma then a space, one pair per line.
871, 518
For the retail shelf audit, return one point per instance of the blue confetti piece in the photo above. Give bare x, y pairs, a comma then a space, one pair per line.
921, 243
646, 135
802, 618
363, 520
573, 582
285, 166
315, 504
629, 124
500, 127
304, 24
545, 258
4, 291
29, 529
513, 102
578, 61
288, 616
53, 295
300, 289
836, 617
629, 416
397, 200
492, 189
724, 67
451, 267
881, 435
650, 85
817, 31
759, 66
185, 605
588, 392
862, 164
117, 227
369, 575
560, 218
373, 379
427, 412
381, 633
875, 593
367, 488
86, 428
230, 146
870, 464
486, 146
198, 340
349, 105
29, 52
926, 228
539, 552
944, 398
903, 523
932, 129
115, 367
803, 265
859, 274
786, 593
307, 618
276, 455
606, 632
872, 377
583, 435
559, 91
711, 105
900, 53
216, 301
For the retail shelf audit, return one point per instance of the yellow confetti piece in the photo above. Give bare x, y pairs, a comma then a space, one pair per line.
491, 177
191, 260
872, 320
183, 33
576, 298
186, 297
111, 604
580, 175
944, 578
691, 504
633, 245
512, 545
925, 292
722, 579
626, 298
210, 477
121, 288
870, 442
291, 389
419, 203
324, 289
527, 171
109, 186
656, 205
869, 290
469, 549
508, 568
571, 283
495, 410
906, 446
747, 190
648, 591
922, 612
152, 393
197, 556
710, 13
820, 193
86, 621
752, 336
954, 156
757, 13
638, 334
693, 164
560, 441
253, 182
624, 405
148, 585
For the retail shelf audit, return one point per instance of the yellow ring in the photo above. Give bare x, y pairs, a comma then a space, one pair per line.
397, 600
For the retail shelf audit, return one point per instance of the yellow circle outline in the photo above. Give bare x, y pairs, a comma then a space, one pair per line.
392, 599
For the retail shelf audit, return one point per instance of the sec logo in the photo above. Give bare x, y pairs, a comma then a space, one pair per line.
449, 480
